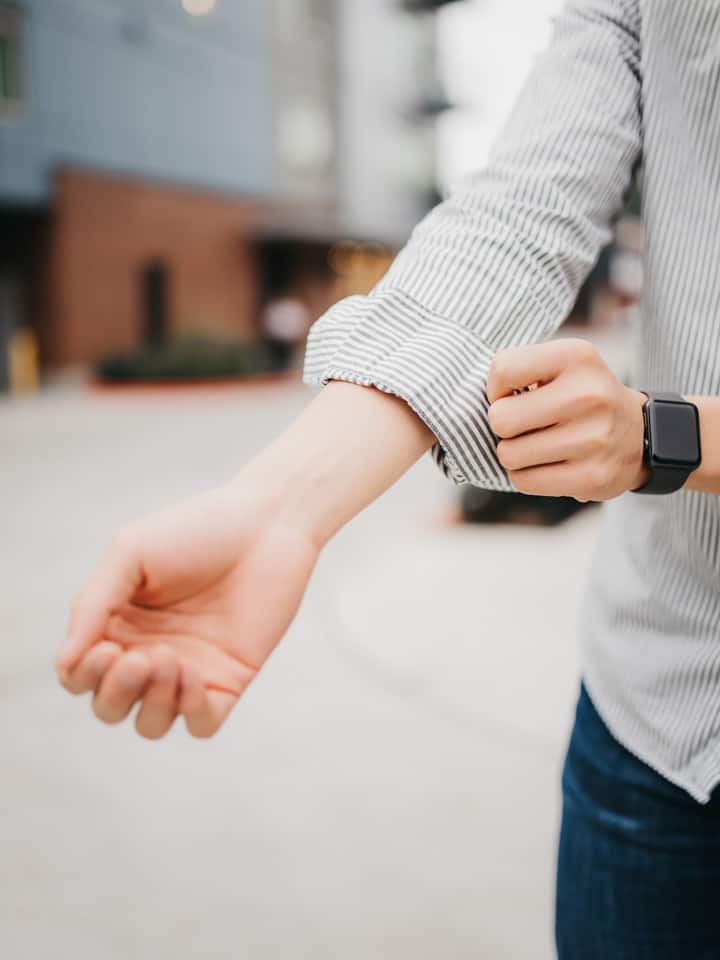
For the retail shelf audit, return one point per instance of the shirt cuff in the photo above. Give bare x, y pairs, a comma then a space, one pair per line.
437, 366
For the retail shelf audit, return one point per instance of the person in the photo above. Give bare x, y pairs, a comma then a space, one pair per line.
187, 604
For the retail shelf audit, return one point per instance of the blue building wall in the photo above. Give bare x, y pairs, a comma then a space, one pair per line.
139, 87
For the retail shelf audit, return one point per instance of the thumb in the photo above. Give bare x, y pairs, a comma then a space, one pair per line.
112, 584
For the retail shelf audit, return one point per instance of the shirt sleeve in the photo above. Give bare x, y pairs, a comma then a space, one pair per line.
500, 261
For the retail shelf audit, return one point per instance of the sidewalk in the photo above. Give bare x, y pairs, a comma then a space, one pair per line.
387, 788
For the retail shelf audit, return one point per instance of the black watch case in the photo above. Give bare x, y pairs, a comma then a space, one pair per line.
672, 434
671, 448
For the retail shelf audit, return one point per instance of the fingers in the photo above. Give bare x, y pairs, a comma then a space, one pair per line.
112, 583
518, 367
544, 407
122, 685
547, 481
556, 480
89, 672
160, 700
554, 445
204, 710
155, 679
160, 676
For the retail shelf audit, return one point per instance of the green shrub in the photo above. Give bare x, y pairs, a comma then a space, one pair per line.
189, 358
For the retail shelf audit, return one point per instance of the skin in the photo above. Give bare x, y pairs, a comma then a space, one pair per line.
187, 604
579, 434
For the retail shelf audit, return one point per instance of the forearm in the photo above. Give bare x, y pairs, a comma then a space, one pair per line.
348, 446
500, 261
706, 478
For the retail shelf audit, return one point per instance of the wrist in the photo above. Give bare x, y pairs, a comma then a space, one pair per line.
706, 478
284, 487
346, 448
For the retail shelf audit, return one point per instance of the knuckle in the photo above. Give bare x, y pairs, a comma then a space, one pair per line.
498, 365
497, 419
607, 431
582, 351
115, 629
601, 434
590, 395
494, 419
520, 482
165, 662
507, 455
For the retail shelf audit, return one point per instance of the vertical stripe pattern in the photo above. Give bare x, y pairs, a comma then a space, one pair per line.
500, 262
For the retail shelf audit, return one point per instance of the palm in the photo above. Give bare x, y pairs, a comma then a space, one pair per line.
214, 586
223, 618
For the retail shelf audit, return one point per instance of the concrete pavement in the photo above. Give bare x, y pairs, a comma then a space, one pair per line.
388, 788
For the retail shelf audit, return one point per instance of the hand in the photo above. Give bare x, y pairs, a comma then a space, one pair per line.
188, 604
578, 434
184, 610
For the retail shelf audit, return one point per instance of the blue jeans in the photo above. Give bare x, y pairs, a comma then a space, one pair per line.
639, 859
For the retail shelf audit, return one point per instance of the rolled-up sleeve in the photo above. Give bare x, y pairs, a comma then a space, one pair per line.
500, 261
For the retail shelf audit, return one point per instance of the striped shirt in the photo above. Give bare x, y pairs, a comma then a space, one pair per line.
500, 263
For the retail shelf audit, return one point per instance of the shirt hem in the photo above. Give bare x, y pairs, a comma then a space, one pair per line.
698, 778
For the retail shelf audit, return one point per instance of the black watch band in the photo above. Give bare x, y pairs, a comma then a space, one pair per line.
671, 442
664, 480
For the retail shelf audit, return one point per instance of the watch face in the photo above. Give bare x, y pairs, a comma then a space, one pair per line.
674, 431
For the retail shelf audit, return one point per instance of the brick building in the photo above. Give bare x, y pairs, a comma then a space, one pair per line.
145, 147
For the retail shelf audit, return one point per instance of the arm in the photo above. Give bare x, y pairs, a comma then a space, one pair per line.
187, 604
579, 432
349, 446
500, 262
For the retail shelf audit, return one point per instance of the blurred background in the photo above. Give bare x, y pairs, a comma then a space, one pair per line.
185, 186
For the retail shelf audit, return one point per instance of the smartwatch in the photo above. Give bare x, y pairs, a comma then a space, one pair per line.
671, 442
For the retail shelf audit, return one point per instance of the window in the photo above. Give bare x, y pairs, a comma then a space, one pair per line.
11, 66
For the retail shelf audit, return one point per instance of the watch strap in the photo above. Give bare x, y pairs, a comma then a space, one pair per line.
664, 480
